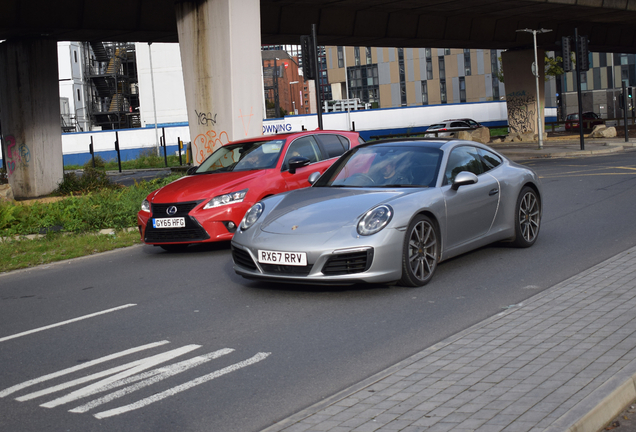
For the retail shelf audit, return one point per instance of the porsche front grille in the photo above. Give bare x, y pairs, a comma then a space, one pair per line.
348, 263
242, 258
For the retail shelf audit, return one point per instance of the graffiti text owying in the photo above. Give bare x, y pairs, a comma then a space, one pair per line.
16, 156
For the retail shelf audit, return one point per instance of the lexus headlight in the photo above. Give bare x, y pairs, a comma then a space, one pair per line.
252, 215
374, 220
145, 205
231, 198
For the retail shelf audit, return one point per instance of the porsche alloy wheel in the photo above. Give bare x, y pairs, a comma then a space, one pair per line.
421, 252
527, 218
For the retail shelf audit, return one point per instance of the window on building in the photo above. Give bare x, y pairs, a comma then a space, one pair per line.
442, 91
369, 60
356, 55
79, 95
467, 68
427, 53
429, 68
340, 57
442, 68
363, 82
402, 76
446, 51
424, 93
462, 89
75, 55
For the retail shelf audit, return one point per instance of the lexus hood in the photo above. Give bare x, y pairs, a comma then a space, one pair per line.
205, 186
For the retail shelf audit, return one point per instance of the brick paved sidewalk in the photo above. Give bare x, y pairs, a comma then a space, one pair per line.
562, 360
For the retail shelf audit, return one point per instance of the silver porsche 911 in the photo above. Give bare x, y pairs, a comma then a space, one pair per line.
390, 211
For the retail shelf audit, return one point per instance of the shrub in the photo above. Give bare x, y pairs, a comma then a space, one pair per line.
92, 179
100, 163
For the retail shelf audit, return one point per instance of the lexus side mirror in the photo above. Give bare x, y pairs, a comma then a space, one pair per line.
297, 162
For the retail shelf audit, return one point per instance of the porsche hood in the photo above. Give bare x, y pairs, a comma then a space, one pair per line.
323, 210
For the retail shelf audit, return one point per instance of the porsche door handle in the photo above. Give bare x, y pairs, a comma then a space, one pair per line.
493, 192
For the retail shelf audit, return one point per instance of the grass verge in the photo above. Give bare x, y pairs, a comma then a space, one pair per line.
22, 252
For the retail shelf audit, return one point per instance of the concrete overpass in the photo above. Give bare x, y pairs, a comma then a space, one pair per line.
610, 24
220, 49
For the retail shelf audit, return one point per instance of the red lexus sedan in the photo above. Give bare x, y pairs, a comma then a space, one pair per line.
208, 204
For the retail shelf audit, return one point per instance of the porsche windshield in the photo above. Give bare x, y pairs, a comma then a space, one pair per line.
246, 156
385, 166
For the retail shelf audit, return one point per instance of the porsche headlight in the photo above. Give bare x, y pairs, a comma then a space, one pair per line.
374, 220
231, 198
252, 215
145, 205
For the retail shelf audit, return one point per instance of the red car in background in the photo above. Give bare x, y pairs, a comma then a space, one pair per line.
590, 119
208, 204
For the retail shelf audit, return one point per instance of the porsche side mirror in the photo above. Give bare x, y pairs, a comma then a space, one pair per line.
464, 178
297, 162
192, 170
313, 177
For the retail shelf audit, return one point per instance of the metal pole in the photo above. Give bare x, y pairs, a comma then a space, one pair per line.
276, 100
154, 103
314, 44
117, 149
165, 155
92, 150
344, 49
624, 96
578, 87
536, 78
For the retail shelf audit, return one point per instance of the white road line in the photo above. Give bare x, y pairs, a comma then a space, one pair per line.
98, 375
63, 372
103, 384
151, 377
17, 335
173, 391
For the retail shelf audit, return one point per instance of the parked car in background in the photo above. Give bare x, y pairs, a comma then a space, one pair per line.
208, 204
449, 128
390, 211
590, 119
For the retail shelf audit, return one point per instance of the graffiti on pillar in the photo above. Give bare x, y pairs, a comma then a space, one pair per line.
249, 119
205, 144
521, 111
205, 118
16, 154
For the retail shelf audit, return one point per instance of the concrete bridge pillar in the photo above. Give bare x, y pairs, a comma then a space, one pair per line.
30, 116
220, 45
521, 90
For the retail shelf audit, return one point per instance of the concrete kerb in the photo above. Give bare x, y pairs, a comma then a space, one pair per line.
106, 231
589, 415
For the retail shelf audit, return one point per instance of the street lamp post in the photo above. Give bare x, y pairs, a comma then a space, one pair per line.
535, 72
291, 96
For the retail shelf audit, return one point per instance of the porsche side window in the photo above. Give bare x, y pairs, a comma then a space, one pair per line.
463, 158
306, 147
490, 159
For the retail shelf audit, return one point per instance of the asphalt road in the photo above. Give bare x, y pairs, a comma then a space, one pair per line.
263, 352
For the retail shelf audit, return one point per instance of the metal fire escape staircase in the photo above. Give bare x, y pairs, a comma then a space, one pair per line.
113, 74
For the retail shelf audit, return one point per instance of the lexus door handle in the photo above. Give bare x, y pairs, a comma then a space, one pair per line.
493, 192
